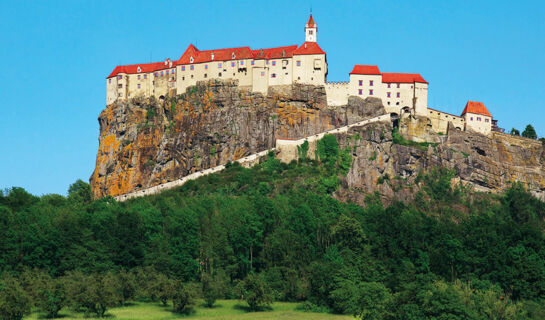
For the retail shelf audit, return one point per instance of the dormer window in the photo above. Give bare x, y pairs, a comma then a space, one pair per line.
191, 59
138, 70
212, 56
233, 55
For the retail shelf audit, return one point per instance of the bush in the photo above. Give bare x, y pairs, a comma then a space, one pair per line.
211, 290
183, 297
255, 291
14, 301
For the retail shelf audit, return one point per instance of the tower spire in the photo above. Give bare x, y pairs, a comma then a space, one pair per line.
311, 29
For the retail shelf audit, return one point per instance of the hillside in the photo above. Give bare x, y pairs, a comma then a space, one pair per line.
147, 142
450, 251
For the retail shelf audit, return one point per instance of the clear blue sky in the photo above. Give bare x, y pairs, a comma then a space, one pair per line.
55, 56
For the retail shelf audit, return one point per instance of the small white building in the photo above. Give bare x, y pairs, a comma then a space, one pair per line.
400, 92
477, 118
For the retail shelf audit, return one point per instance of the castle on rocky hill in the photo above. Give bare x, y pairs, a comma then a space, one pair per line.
259, 69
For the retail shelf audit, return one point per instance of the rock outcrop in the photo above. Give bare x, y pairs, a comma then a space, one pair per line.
391, 168
146, 142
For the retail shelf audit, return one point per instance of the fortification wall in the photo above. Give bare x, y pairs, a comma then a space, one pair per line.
286, 149
247, 162
337, 93
439, 120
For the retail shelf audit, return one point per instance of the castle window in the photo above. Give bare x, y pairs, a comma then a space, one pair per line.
156, 74
298, 63
370, 92
370, 83
252, 63
167, 72
267, 62
110, 80
360, 92
398, 85
262, 73
389, 94
120, 86
471, 119
191, 67
310, 32
183, 68
191, 76
397, 103
183, 78
232, 64
389, 85
486, 120
162, 73
478, 118
219, 74
145, 76
205, 75
205, 67
274, 63
398, 95
241, 62
172, 71
360, 83
138, 77
219, 65
138, 86
119, 77
273, 75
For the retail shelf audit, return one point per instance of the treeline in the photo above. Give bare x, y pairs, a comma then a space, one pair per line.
277, 229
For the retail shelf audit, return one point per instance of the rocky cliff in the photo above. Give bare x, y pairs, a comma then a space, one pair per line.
390, 165
146, 142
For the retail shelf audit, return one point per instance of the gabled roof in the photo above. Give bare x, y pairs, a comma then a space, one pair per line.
144, 68
309, 48
274, 53
214, 55
477, 108
402, 78
365, 69
310, 22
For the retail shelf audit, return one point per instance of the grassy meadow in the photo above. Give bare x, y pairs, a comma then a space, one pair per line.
223, 310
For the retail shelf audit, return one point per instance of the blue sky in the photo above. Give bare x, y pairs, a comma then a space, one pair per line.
56, 54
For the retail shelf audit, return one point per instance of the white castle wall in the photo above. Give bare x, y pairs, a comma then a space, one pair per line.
337, 93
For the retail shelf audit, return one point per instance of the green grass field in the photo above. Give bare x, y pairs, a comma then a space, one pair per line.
223, 309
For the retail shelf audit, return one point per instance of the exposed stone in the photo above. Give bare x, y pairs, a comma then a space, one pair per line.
145, 141
488, 164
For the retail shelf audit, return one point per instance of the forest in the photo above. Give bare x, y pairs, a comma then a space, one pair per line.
277, 232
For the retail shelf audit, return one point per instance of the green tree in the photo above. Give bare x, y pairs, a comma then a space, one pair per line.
92, 293
212, 289
80, 191
515, 132
14, 301
51, 296
127, 285
529, 132
255, 291
183, 297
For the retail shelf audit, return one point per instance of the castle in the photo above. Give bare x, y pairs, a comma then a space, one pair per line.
257, 70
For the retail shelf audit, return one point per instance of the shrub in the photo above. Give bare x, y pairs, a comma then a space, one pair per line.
255, 291
14, 301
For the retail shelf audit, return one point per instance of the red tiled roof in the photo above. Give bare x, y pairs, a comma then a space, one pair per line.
309, 48
310, 22
144, 68
363, 69
274, 53
402, 78
219, 55
476, 107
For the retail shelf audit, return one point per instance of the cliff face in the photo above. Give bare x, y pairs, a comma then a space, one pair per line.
488, 164
145, 142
